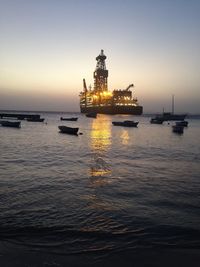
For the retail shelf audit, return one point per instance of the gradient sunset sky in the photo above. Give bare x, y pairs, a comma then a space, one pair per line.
47, 47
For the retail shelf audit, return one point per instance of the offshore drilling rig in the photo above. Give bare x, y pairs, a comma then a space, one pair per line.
101, 100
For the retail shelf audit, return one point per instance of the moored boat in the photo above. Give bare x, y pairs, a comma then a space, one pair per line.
171, 116
35, 119
19, 116
168, 116
68, 130
69, 119
177, 129
156, 120
125, 123
15, 124
91, 115
182, 123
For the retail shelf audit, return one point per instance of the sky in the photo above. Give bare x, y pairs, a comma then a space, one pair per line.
47, 47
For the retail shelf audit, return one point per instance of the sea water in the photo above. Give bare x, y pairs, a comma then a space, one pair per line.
111, 188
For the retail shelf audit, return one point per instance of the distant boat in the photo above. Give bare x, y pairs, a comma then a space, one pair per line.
68, 119
19, 116
182, 123
125, 123
170, 116
68, 130
15, 124
91, 115
35, 119
167, 116
177, 129
156, 120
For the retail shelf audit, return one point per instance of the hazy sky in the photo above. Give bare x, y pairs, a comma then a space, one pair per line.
48, 46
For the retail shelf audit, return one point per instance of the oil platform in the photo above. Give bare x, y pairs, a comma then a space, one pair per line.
101, 100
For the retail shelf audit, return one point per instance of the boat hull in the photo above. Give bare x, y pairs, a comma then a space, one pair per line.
68, 130
68, 119
113, 110
156, 121
182, 123
15, 124
19, 116
177, 129
125, 123
172, 117
91, 115
35, 119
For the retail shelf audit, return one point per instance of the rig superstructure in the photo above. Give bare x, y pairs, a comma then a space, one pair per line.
101, 100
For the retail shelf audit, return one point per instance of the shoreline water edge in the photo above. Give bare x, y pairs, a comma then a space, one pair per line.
117, 196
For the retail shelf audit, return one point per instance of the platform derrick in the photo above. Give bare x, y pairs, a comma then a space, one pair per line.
101, 100
101, 74
100, 95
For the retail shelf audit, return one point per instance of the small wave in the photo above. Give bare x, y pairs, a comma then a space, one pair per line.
60, 239
99, 167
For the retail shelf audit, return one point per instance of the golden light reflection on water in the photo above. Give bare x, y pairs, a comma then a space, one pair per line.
125, 137
100, 143
99, 167
100, 134
99, 172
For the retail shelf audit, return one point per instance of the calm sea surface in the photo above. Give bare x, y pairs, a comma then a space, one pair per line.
109, 189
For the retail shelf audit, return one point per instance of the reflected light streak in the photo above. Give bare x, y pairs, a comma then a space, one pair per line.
100, 134
100, 142
99, 168
99, 172
125, 137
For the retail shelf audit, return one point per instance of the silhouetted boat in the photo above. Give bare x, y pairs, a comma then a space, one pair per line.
156, 121
19, 116
91, 115
171, 116
68, 130
182, 123
15, 124
125, 123
68, 119
35, 119
177, 129
168, 116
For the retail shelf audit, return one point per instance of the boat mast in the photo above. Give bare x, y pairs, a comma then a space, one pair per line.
85, 91
172, 104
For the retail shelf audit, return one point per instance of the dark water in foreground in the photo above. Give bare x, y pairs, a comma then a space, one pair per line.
110, 189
